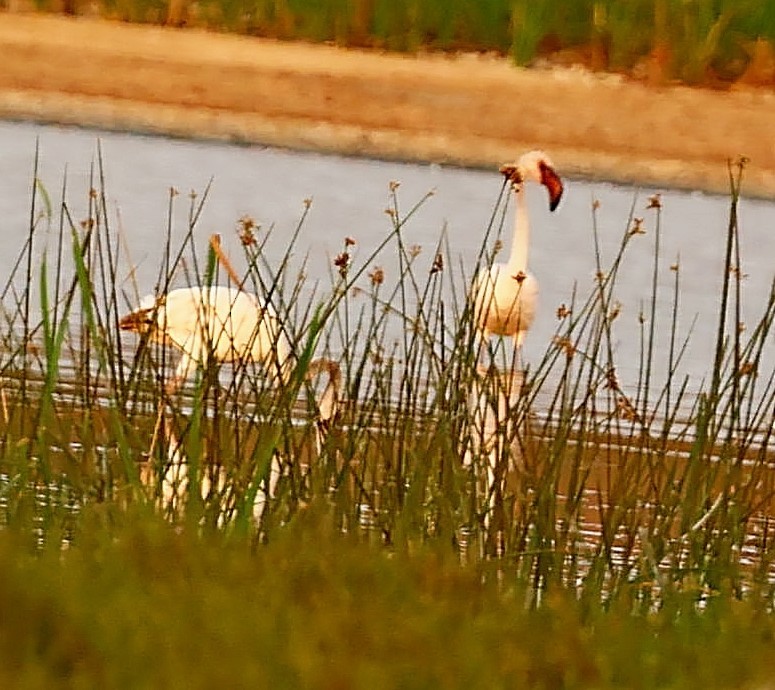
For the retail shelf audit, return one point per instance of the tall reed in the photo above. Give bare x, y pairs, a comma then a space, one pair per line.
636, 493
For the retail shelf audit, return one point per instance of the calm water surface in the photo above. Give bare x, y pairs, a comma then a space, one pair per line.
349, 199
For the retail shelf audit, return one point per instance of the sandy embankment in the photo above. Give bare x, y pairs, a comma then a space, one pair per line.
467, 110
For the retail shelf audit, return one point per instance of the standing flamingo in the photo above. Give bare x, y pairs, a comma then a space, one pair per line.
506, 295
505, 302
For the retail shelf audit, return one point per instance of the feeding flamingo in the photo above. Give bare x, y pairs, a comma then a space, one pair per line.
218, 322
227, 325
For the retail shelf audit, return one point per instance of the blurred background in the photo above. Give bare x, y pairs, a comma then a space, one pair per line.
709, 42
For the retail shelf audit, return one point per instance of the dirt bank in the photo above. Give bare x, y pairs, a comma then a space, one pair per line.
466, 110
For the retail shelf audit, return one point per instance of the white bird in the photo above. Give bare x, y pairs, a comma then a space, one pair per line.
506, 295
229, 325
505, 302
224, 323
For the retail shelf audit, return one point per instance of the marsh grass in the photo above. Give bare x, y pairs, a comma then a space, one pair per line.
616, 515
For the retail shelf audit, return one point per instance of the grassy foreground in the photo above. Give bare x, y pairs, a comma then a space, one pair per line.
702, 41
138, 604
623, 538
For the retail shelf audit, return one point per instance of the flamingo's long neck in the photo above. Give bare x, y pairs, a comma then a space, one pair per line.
521, 239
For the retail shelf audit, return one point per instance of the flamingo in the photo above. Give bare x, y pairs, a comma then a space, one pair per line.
505, 302
218, 322
229, 325
506, 295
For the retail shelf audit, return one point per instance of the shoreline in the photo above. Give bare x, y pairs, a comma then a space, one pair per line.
468, 111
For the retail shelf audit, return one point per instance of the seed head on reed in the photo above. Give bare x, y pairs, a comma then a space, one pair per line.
637, 227
626, 410
342, 262
611, 379
741, 162
377, 275
655, 201
565, 345
246, 229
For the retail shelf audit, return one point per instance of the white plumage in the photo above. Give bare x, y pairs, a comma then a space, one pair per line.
506, 295
224, 323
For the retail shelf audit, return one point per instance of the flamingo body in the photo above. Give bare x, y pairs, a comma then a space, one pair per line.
506, 303
219, 322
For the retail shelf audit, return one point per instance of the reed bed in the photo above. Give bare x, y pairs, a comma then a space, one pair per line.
542, 524
703, 41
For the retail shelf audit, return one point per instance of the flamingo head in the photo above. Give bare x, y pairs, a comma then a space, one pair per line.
142, 319
537, 167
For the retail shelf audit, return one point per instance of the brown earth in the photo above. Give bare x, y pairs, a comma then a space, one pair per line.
467, 110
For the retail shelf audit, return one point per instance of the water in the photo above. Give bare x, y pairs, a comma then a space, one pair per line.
349, 199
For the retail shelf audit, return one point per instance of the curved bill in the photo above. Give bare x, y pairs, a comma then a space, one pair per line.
551, 180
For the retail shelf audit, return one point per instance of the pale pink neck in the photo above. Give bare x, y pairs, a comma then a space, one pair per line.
521, 239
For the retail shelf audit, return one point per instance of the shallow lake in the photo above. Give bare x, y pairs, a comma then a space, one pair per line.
349, 199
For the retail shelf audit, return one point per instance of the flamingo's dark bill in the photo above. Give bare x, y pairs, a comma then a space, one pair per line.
551, 180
